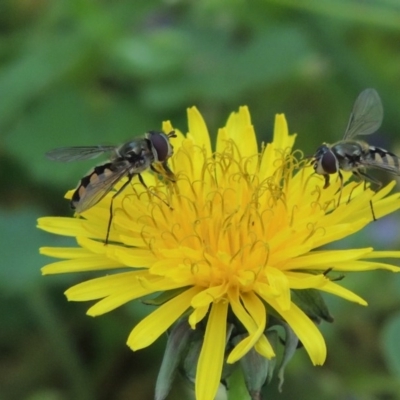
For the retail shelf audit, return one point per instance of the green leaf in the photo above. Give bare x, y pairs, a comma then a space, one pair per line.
66, 117
19, 248
312, 303
391, 344
237, 386
44, 63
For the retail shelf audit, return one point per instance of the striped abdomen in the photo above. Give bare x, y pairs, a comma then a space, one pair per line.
383, 157
98, 174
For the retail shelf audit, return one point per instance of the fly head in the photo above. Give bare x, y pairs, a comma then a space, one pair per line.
162, 148
325, 161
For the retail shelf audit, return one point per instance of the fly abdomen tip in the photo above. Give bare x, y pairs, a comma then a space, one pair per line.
75, 199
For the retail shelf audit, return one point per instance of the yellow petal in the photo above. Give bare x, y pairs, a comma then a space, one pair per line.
65, 252
279, 283
104, 286
324, 259
94, 263
298, 280
383, 254
222, 140
128, 293
257, 310
337, 290
175, 142
197, 315
282, 139
240, 129
134, 257
211, 358
198, 130
305, 330
364, 266
150, 328
207, 296
63, 226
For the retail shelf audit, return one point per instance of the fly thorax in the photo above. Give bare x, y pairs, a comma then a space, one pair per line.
351, 149
139, 162
325, 161
137, 154
349, 154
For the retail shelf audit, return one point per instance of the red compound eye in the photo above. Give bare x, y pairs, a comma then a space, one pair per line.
329, 162
160, 142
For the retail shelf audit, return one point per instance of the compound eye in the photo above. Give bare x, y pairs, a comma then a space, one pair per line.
161, 145
329, 162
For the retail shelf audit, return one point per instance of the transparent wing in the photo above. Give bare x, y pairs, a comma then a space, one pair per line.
67, 154
367, 114
97, 189
382, 166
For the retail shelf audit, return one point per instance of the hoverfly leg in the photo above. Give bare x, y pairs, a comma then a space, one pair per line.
166, 171
365, 177
352, 190
170, 174
130, 176
370, 202
326, 184
334, 279
341, 187
154, 194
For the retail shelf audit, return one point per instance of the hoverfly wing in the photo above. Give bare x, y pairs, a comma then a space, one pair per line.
392, 167
78, 153
97, 184
367, 114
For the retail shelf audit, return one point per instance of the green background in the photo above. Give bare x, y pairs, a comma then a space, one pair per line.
78, 72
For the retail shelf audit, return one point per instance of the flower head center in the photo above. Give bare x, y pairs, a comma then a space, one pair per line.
221, 211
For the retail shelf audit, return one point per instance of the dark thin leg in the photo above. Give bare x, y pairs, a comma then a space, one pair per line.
365, 177
341, 187
326, 177
154, 194
370, 202
142, 182
170, 174
130, 176
338, 278
352, 190
153, 169
166, 173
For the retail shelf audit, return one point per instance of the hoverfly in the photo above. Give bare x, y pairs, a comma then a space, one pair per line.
356, 155
128, 160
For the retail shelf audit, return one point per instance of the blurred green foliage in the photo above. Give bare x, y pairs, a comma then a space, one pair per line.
75, 72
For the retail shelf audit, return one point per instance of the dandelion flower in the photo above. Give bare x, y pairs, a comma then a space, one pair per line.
241, 237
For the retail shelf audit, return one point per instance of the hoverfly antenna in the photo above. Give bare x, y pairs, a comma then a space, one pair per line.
172, 134
310, 158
